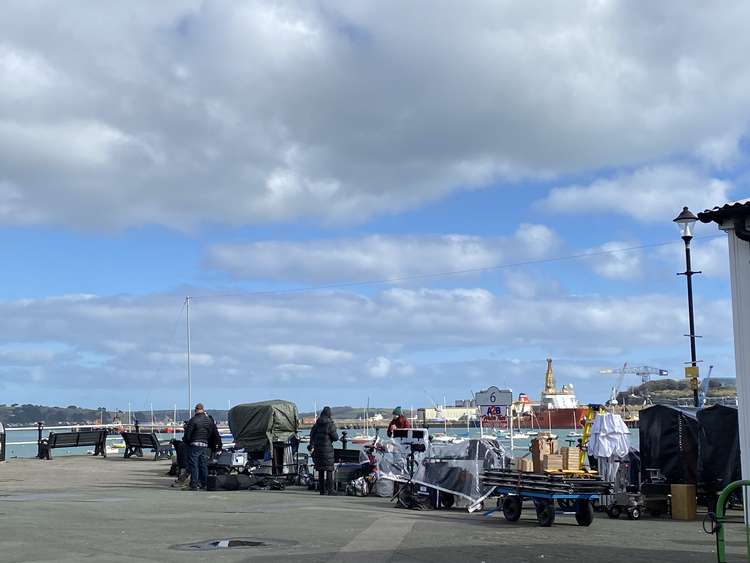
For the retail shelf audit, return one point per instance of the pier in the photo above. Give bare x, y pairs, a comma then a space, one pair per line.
79, 508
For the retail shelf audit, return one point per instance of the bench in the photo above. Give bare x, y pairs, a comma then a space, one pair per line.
96, 438
136, 442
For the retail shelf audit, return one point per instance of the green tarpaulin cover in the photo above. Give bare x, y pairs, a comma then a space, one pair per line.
256, 425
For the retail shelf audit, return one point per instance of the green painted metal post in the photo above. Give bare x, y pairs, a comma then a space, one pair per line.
721, 507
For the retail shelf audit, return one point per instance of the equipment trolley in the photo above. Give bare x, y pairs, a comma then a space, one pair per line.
546, 491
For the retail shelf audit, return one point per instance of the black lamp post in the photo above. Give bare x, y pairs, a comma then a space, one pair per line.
685, 220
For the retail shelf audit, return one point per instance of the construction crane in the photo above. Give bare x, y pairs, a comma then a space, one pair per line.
703, 391
644, 372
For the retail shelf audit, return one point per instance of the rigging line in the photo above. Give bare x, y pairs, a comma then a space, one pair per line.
342, 285
176, 322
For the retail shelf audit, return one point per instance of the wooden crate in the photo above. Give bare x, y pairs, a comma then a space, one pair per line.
571, 458
552, 462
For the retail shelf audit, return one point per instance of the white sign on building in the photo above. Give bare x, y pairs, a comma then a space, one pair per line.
494, 402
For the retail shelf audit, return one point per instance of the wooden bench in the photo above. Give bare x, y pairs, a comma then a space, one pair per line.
136, 442
96, 438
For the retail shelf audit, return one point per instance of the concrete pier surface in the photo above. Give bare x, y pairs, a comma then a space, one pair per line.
81, 508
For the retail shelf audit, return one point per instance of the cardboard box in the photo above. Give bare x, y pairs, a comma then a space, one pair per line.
552, 462
524, 464
540, 446
684, 503
571, 458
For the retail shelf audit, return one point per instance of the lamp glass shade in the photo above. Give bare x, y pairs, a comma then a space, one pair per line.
686, 220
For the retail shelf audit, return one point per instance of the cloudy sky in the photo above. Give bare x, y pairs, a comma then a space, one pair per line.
507, 172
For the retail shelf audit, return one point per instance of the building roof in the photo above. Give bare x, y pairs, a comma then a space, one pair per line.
739, 208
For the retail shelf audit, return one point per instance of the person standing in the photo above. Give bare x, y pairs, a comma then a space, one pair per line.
322, 437
399, 421
198, 432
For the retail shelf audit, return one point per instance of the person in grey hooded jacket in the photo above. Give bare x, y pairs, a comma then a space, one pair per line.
322, 437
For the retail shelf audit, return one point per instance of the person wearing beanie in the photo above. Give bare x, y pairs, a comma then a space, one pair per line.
399, 421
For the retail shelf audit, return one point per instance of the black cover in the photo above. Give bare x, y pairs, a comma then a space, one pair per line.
719, 447
351, 471
238, 482
181, 451
669, 442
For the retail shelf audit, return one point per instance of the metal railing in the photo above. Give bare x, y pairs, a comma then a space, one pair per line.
719, 519
40, 428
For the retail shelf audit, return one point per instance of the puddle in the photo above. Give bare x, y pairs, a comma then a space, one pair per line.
232, 543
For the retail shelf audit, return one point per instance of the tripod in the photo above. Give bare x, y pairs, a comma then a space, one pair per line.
406, 496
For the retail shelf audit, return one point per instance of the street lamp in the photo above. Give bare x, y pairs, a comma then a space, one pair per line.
685, 220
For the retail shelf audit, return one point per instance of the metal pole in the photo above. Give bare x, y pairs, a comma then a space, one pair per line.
689, 275
190, 380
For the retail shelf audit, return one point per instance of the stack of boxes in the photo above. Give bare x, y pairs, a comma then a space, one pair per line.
571, 458
552, 462
541, 446
524, 464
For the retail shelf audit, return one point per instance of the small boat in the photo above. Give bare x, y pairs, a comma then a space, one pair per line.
532, 434
520, 436
361, 439
366, 438
443, 438
574, 435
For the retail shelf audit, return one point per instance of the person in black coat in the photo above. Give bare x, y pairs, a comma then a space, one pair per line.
322, 437
200, 433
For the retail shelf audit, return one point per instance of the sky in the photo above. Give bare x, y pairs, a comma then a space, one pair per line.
397, 202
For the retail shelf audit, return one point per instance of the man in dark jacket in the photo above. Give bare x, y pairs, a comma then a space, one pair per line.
198, 433
399, 421
322, 437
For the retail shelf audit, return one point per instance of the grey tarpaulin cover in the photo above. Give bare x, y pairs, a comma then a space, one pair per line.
454, 468
256, 425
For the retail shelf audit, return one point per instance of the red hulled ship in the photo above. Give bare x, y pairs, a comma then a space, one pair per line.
556, 409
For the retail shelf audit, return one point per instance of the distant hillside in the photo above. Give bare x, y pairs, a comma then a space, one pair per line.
27, 415
670, 390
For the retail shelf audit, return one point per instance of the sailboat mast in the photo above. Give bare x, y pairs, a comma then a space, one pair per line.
189, 375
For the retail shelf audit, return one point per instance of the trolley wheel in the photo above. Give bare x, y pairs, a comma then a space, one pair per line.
584, 513
512, 508
447, 500
545, 515
634, 513
614, 511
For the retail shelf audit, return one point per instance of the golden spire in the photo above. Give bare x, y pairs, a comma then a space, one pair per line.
549, 379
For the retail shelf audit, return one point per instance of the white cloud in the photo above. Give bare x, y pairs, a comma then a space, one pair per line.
710, 256
239, 113
651, 194
614, 265
379, 256
302, 353
379, 367
299, 344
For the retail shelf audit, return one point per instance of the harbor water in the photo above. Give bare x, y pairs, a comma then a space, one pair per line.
23, 443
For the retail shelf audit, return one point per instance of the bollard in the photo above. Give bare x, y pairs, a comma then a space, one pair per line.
2, 442
39, 453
